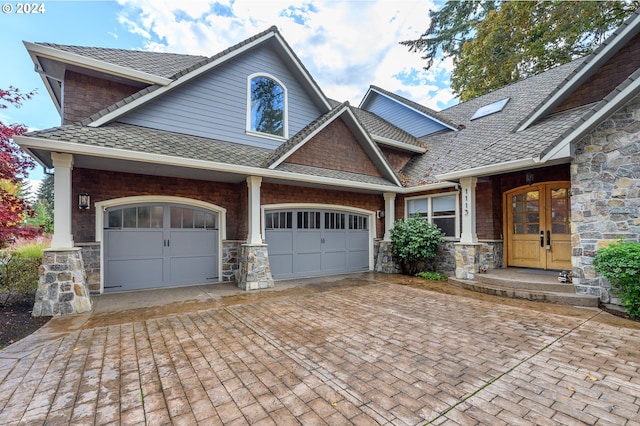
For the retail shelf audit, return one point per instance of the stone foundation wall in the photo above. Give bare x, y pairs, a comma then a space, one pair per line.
62, 286
383, 258
91, 259
605, 189
230, 261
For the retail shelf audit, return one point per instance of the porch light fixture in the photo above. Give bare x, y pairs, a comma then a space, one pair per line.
84, 201
528, 177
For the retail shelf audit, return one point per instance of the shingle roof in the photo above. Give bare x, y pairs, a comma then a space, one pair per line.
151, 141
156, 63
333, 174
492, 139
377, 126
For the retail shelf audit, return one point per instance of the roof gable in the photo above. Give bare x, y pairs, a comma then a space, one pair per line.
409, 116
215, 104
338, 131
590, 66
271, 37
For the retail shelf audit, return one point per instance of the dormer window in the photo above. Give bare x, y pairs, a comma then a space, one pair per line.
267, 106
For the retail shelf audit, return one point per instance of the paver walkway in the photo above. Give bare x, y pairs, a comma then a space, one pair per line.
380, 353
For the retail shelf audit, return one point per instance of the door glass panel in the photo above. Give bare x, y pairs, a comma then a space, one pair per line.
560, 210
187, 218
129, 217
334, 220
115, 219
144, 217
308, 220
198, 219
157, 213
526, 213
210, 221
176, 217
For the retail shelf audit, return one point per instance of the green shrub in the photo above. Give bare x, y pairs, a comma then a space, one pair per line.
19, 274
620, 264
415, 243
433, 276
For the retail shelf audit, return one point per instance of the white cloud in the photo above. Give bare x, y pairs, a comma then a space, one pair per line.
346, 45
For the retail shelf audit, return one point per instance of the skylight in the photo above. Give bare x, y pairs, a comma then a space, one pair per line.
490, 109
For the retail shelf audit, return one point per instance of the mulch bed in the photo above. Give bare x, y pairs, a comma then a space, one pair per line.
17, 323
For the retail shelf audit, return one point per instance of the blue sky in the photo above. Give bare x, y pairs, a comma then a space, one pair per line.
345, 45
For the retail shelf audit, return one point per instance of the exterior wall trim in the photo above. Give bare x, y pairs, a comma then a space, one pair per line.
102, 206
292, 206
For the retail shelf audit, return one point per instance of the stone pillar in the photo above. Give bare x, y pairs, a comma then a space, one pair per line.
62, 237
255, 272
62, 286
384, 258
389, 214
467, 260
468, 186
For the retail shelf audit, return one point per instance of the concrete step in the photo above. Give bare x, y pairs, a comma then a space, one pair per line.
568, 297
524, 282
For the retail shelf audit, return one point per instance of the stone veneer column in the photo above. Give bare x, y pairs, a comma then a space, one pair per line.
62, 286
467, 260
255, 272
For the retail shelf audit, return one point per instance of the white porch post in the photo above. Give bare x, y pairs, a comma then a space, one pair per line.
389, 214
255, 234
62, 236
468, 186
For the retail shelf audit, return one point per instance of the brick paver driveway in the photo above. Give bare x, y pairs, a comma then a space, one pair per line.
378, 353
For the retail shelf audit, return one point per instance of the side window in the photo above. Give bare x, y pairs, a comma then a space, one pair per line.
267, 112
441, 210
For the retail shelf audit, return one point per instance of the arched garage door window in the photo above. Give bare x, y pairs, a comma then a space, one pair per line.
159, 245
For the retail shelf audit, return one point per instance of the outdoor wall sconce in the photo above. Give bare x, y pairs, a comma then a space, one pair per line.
84, 201
528, 177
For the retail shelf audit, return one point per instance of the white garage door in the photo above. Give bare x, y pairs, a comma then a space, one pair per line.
159, 245
316, 242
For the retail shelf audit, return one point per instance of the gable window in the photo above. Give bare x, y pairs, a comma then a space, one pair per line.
267, 101
441, 210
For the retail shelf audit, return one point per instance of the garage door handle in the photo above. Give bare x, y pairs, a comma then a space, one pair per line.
165, 243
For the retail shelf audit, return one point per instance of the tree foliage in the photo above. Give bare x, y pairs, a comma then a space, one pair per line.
14, 167
496, 43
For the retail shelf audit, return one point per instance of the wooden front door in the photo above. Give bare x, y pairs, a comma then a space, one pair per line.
538, 231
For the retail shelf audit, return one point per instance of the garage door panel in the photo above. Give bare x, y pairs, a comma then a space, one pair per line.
335, 241
308, 242
281, 265
135, 274
306, 263
280, 242
358, 241
358, 260
131, 244
193, 242
335, 261
193, 269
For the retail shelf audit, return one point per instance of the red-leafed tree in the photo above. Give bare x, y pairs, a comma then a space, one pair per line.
14, 167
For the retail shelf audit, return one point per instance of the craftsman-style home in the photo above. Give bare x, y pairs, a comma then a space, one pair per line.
174, 169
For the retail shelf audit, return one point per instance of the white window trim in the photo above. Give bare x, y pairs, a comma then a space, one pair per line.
285, 125
429, 199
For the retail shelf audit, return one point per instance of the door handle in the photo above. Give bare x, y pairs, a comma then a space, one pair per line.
548, 247
541, 238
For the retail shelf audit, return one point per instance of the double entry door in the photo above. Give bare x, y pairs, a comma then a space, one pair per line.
538, 228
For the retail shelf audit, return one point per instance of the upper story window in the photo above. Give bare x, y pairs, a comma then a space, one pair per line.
441, 210
267, 106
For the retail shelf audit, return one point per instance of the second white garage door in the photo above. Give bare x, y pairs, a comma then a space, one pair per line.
316, 242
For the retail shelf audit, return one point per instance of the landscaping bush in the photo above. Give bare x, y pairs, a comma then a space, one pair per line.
620, 264
415, 243
19, 273
433, 276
